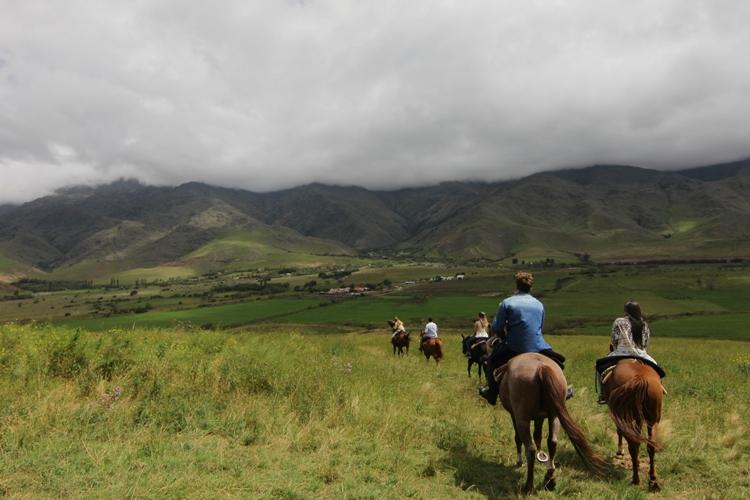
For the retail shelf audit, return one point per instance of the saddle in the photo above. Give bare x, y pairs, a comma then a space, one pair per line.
499, 372
602, 364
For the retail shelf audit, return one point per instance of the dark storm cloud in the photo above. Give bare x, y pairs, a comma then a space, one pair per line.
266, 95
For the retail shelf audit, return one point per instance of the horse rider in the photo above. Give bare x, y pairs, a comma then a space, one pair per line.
398, 326
521, 316
630, 336
481, 325
430, 332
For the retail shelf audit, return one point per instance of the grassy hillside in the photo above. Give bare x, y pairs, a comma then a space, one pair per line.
261, 247
246, 414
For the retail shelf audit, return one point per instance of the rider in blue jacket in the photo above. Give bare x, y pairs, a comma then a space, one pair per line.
519, 319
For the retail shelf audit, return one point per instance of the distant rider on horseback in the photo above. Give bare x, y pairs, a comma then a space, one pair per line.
481, 325
630, 336
521, 317
430, 332
397, 325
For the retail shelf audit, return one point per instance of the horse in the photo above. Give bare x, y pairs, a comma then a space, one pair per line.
634, 397
433, 347
533, 388
400, 341
475, 353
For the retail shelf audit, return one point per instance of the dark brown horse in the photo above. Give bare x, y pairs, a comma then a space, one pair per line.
634, 396
400, 341
476, 353
433, 347
533, 389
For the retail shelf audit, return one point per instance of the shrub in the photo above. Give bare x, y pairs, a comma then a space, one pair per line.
743, 364
68, 359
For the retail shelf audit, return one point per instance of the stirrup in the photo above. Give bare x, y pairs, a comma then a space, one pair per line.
569, 392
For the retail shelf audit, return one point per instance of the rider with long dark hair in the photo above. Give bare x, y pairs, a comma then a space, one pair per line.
630, 337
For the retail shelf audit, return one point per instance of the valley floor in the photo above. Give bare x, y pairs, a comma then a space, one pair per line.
172, 413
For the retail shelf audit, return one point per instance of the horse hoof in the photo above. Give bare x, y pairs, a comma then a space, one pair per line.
542, 457
635, 482
527, 489
654, 487
519, 464
619, 453
550, 484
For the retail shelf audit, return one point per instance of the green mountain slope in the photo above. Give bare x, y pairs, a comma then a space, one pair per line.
609, 212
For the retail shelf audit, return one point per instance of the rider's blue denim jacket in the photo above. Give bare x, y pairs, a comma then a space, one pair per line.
522, 316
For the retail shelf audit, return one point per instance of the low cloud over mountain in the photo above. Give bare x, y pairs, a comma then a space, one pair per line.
267, 96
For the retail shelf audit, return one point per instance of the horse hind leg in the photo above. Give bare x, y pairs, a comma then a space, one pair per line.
524, 432
653, 484
538, 427
519, 443
554, 430
634, 449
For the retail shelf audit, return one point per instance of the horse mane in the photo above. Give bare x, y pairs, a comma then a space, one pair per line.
556, 398
626, 405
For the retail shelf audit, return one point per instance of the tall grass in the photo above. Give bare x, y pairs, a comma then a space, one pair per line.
173, 413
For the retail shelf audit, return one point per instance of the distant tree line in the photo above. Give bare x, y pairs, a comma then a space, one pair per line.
37, 285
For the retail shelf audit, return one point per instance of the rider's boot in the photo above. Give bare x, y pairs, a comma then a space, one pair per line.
490, 391
600, 389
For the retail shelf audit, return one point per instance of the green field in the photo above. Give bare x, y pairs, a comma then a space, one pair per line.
711, 301
249, 414
218, 316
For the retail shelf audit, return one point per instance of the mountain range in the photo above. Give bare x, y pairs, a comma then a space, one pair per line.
603, 212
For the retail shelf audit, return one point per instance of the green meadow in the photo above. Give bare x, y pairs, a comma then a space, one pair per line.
711, 301
168, 413
297, 394
216, 317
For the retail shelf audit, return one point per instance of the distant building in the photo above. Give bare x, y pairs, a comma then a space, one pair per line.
347, 290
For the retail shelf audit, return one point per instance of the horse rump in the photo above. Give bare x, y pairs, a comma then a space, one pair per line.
627, 407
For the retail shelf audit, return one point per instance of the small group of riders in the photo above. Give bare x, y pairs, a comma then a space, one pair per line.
517, 329
430, 330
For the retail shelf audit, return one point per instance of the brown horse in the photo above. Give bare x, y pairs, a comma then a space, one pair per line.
433, 347
533, 388
634, 396
400, 341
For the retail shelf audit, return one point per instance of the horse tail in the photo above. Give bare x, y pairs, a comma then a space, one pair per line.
439, 349
556, 398
626, 405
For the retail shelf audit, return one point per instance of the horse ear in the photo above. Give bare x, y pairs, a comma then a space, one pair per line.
463, 336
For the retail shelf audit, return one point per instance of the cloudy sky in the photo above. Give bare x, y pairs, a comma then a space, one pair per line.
271, 94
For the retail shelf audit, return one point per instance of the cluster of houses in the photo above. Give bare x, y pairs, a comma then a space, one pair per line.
458, 276
347, 290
